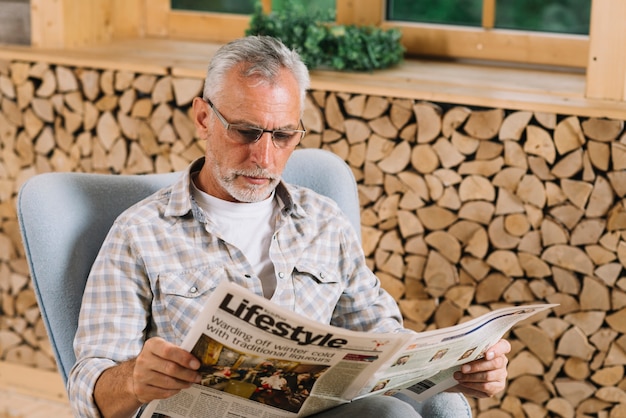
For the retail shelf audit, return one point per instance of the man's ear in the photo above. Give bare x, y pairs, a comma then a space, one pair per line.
201, 116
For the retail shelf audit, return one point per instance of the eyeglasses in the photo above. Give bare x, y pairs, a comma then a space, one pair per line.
246, 134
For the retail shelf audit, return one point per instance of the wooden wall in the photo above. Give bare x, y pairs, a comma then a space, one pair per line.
463, 209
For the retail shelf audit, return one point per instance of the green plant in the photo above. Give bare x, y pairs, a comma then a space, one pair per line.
323, 44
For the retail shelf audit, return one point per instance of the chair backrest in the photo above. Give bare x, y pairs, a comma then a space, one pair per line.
64, 218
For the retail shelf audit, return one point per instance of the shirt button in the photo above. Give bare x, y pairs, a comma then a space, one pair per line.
322, 275
194, 289
281, 274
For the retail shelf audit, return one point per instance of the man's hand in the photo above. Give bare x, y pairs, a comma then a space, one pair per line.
162, 369
485, 377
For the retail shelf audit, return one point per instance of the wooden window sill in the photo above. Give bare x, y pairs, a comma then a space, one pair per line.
471, 84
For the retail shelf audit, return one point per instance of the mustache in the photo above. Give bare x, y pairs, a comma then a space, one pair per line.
256, 172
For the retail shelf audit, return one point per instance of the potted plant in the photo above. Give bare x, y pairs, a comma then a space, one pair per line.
323, 44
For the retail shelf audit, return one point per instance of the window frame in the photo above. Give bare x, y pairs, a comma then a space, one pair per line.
446, 41
161, 21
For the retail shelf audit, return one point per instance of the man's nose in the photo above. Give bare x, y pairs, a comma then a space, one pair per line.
263, 149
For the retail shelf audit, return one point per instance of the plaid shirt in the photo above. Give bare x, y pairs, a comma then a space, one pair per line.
164, 256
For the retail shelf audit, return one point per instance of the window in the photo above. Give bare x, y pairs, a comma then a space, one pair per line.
246, 6
210, 20
526, 31
232, 6
451, 12
546, 32
559, 16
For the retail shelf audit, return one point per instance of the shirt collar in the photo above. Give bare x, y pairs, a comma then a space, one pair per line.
181, 203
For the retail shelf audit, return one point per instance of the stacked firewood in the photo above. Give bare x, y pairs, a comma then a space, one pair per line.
54, 118
463, 210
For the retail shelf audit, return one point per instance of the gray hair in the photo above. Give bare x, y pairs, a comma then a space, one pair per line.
265, 56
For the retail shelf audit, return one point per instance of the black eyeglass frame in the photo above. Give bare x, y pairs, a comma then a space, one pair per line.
241, 138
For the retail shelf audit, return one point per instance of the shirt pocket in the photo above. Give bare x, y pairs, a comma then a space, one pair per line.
317, 290
180, 297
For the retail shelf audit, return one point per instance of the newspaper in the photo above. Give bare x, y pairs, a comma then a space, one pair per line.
261, 360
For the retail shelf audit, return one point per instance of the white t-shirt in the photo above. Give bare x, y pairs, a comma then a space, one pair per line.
249, 226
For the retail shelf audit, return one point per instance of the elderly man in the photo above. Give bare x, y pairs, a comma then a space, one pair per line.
230, 217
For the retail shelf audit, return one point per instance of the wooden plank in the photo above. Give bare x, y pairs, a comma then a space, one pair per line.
565, 102
267, 5
351, 12
127, 19
91, 58
86, 23
606, 68
493, 86
211, 27
156, 17
69, 23
47, 24
31, 381
489, 14
163, 22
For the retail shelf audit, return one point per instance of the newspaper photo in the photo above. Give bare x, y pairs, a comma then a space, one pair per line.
261, 360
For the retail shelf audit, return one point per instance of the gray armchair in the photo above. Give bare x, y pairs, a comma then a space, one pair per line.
64, 218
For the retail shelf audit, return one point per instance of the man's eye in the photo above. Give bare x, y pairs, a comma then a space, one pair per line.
283, 135
250, 135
